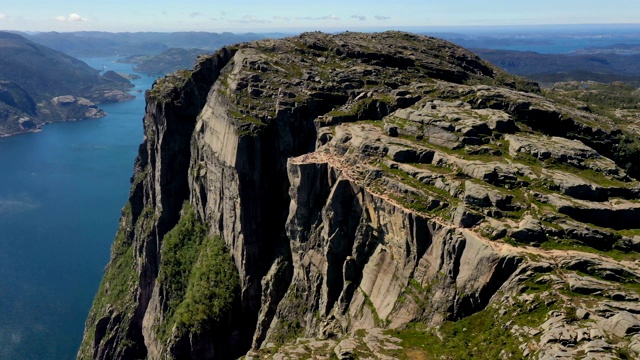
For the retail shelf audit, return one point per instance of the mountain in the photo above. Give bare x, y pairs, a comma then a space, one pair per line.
373, 196
168, 61
550, 68
40, 85
621, 49
102, 44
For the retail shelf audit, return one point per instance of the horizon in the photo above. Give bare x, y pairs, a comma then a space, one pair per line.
586, 29
290, 17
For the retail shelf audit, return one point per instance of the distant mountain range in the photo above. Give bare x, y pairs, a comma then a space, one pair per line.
550, 68
543, 68
31, 75
40, 85
99, 44
166, 62
157, 54
622, 49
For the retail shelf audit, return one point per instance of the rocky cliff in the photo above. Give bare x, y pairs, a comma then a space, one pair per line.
371, 195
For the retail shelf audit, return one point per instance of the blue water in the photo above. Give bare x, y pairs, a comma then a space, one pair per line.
61, 192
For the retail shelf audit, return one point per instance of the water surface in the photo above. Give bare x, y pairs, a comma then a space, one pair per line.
61, 192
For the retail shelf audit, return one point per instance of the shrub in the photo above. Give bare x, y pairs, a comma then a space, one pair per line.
198, 277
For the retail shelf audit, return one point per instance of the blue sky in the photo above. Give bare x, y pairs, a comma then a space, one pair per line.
288, 15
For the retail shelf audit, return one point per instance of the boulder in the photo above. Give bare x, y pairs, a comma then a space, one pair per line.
564, 151
529, 230
465, 218
622, 324
345, 350
586, 285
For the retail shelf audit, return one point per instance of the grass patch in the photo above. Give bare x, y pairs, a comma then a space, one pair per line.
478, 336
569, 244
163, 87
409, 180
599, 98
483, 335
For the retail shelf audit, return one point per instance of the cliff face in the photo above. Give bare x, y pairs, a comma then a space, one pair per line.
357, 182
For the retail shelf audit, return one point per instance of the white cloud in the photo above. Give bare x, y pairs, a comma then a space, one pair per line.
327, 17
73, 17
250, 19
194, 14
377, 17
281, 18
359, 17
2, 16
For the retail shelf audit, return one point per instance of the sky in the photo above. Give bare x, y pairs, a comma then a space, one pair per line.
288, 15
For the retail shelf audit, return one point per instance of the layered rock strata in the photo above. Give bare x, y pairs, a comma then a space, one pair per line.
364, 182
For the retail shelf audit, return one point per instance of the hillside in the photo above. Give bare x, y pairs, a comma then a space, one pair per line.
101, 44
383, 196
166, 62
579, 66
40, 85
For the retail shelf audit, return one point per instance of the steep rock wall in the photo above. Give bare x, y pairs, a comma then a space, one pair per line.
159, 187
355, 180
207, 144
361, 260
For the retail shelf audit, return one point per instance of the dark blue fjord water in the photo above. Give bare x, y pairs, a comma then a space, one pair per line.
61, 192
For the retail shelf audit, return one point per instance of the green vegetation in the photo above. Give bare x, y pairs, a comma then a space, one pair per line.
246, 119
32, 75
286, 330
627, 154
163, 87
591, 175
180, 250
570, 244
198, 276
483, 335
116, 290
478, 336
213, 286
599, 98
420, 295
369, 304
119, 277
416, 201
168, 61
617, 101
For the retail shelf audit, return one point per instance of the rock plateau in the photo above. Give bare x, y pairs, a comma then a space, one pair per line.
371, 196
